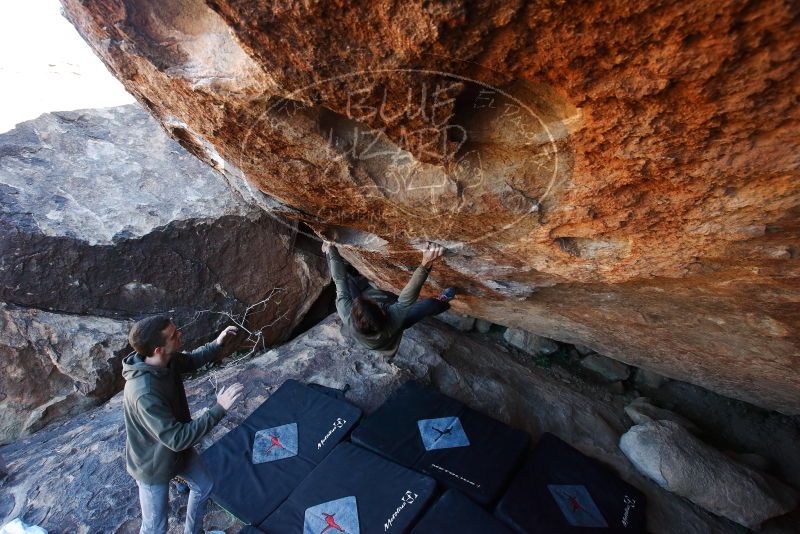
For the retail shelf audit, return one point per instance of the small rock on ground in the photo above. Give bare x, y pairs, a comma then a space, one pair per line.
459, 322
483, 326
530, 343
606, 367
649, 380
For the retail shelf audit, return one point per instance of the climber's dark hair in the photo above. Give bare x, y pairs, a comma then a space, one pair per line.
368, 317
147, 334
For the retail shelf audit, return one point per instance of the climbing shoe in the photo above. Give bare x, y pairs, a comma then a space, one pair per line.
447, 295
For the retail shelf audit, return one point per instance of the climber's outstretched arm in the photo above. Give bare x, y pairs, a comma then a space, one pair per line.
410, 293
338, 267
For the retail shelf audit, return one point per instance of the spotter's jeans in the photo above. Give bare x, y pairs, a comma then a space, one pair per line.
154, 498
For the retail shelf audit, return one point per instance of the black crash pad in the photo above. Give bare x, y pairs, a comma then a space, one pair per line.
257, 465
561, 490
356, 491
421, 428
454, 512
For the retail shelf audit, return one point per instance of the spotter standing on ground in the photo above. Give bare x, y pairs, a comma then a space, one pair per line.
160, 431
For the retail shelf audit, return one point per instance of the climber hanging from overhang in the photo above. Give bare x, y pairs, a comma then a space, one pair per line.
379, 324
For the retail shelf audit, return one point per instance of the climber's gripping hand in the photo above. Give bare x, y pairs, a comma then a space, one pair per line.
431, 253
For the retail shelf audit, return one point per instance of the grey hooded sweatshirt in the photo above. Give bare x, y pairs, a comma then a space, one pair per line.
159, 427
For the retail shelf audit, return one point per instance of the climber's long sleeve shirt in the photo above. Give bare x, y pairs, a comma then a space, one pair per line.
389, 337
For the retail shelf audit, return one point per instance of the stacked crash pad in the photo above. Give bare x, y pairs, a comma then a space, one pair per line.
353, 490
454, 512
257, 465
422, 429
562, 491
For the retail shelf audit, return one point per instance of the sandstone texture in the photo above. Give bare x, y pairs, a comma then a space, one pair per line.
70, 477
619, 175
105, 219
679, 462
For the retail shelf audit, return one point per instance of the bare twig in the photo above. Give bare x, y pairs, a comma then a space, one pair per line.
255, 337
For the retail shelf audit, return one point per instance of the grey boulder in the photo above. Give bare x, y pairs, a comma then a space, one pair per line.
606, 367
482, 325
668, 454
102, 213
104, 219
55, 365
648, 379
529, 342
641, 410
457, 321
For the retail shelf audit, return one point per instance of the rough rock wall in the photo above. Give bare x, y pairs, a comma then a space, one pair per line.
55, 365
105, 219
623, 176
